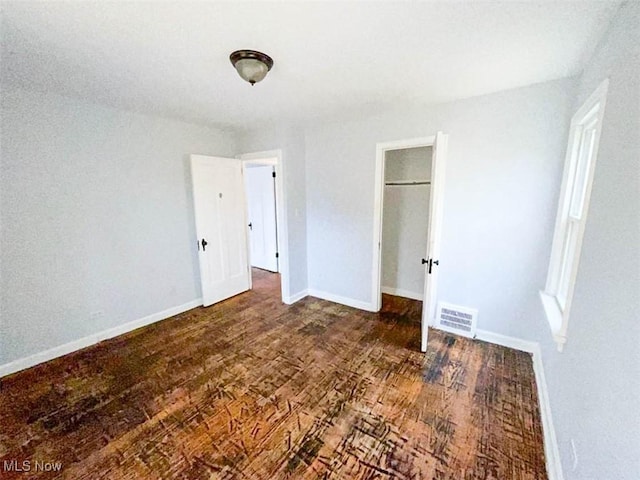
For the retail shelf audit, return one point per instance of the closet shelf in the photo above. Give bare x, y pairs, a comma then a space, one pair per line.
402, 183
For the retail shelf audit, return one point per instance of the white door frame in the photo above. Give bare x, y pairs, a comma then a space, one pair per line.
274, 157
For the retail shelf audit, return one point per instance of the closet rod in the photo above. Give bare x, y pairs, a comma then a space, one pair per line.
408, 183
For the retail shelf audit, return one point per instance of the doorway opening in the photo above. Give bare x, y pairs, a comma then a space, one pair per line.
222, 227
266, 222
407, 224
260, 192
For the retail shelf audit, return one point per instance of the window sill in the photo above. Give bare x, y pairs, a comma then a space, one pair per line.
554, 318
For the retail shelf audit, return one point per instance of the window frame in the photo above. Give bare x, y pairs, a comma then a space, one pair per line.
564, 262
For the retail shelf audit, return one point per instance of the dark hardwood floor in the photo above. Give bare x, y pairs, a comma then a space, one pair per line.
254, 389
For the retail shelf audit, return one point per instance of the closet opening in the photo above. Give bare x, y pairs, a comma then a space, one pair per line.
408, 219
405, 221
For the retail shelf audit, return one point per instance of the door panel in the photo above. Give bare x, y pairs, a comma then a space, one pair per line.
218, 197
435, 227
261, 203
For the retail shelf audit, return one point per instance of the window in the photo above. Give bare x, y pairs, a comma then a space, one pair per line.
572, 212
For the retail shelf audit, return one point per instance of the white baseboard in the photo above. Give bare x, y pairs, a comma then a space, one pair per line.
55, 352
349, 302
295, 297
398, 292
551, 450
506, 341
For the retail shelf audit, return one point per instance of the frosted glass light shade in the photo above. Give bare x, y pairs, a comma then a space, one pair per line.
251, 65
251, 70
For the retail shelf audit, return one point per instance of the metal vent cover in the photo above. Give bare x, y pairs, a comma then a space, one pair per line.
457, 319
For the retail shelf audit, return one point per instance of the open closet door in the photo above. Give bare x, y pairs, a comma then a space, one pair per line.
218, 199
432, 258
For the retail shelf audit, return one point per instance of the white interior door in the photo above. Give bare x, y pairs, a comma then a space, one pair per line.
218, 198
435, 226
261, 203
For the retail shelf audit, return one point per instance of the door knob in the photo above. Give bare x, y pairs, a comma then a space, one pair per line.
250, 226
433, 262
204, 244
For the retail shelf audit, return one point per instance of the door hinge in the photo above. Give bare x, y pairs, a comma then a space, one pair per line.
277, 255
273, 174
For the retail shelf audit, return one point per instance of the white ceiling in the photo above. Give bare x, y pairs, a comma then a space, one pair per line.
172, 58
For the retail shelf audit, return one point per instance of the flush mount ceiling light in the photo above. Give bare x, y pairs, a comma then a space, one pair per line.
251, 65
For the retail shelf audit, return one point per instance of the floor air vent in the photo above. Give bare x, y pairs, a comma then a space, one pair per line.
456, 319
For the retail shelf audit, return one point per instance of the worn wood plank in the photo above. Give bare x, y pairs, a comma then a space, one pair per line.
254, 389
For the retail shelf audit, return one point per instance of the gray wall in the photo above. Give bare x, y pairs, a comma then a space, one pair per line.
405, 220
505, 157
594, 385
96, 216
291, 141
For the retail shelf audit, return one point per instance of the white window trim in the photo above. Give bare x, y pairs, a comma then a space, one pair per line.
557, 316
